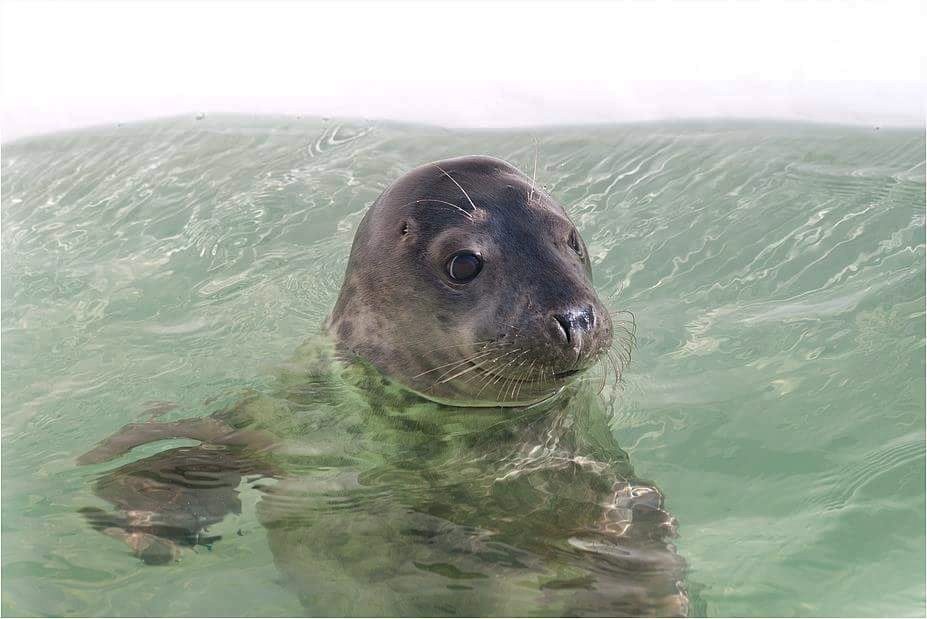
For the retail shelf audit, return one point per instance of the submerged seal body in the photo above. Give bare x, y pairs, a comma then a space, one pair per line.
472, 287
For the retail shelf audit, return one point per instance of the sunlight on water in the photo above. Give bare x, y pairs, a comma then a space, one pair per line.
776, 393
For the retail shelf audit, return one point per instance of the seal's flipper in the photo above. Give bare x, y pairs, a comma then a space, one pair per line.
203, 429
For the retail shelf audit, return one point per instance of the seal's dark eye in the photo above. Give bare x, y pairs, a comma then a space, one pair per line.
575, 244
463, 266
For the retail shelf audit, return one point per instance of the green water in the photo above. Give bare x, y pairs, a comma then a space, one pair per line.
776, 394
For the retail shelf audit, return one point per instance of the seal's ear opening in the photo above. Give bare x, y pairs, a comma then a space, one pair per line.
408, 230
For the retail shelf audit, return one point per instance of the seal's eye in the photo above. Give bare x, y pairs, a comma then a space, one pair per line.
463, 266
575, 244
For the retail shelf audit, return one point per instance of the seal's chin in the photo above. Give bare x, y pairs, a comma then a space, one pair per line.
476, 402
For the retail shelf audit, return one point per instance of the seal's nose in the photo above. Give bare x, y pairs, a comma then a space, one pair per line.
575, 323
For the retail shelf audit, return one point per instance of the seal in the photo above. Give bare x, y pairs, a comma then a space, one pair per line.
436, 450
469, 285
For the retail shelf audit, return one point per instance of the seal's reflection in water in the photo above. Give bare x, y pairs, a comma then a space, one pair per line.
511, 500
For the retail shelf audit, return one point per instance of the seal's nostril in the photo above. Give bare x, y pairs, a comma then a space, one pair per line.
564, 323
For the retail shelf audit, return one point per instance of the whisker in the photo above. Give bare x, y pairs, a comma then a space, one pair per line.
616, 365
497, 376
444, 365
467, 370
534, 175
605, 360
451, 204
631, 319
487, 370
504, 386
472, 367
470, 360
622, 361
456, 183
515, 380
527, 377
482, 343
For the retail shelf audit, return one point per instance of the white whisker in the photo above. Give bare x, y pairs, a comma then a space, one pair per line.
534, 175
474, 366
451, 204
480, 353
469, 360
499, 374
456, 183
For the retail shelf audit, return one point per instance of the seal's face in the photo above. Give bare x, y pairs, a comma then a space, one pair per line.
471, 287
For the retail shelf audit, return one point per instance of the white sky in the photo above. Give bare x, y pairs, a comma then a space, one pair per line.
72, 63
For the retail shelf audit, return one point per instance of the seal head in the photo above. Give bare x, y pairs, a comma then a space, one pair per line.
470, 286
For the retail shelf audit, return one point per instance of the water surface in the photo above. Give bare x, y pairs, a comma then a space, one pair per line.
776, 394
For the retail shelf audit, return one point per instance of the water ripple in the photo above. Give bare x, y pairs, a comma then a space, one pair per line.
776, 274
